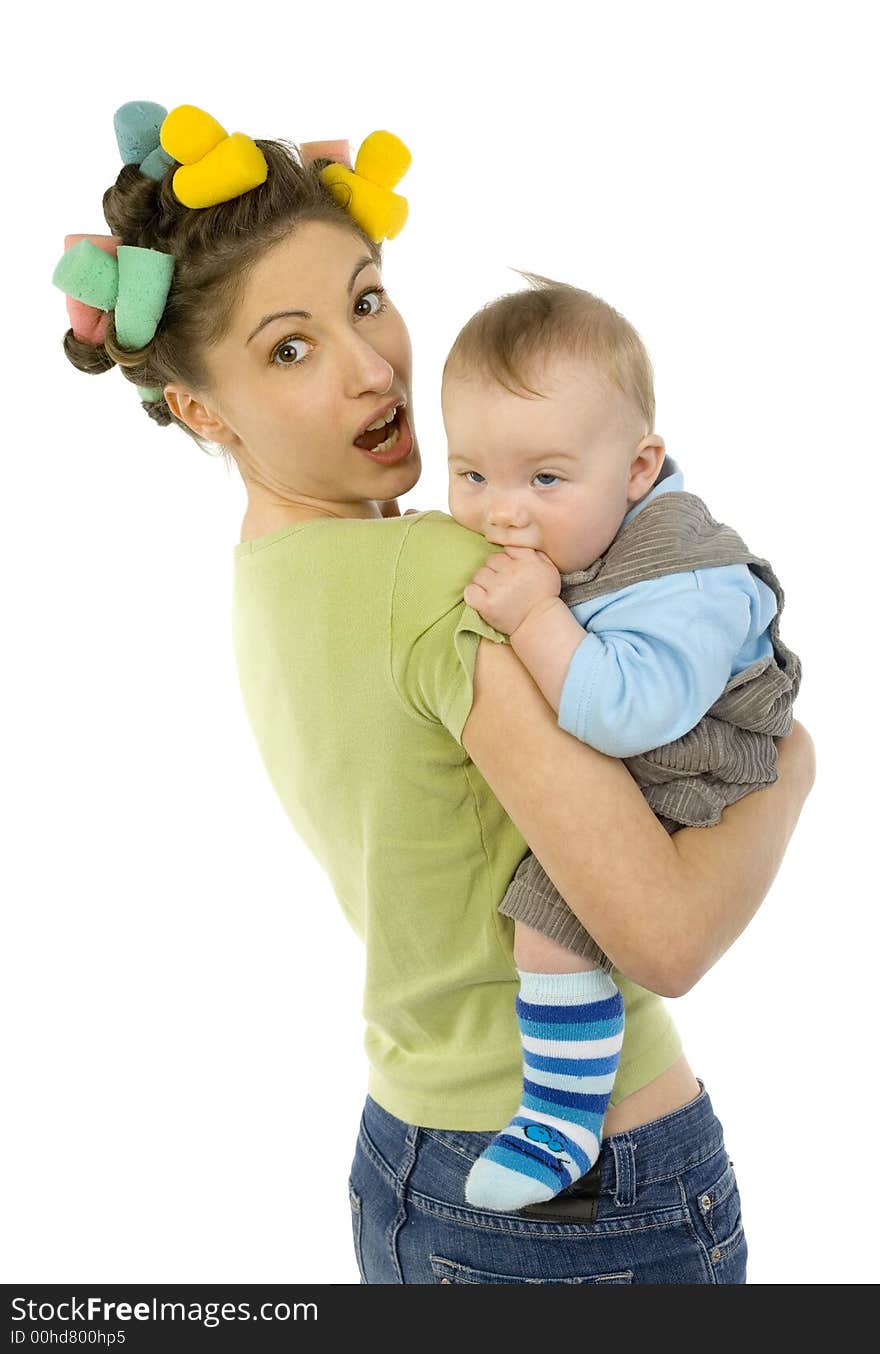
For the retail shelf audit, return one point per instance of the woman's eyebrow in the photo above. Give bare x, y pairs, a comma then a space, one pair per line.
306, 314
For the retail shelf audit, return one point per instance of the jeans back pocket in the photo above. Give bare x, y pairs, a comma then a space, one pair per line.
450, 1271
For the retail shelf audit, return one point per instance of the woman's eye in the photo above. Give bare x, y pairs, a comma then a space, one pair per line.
478, 480
543, 476
378, 292
288, 345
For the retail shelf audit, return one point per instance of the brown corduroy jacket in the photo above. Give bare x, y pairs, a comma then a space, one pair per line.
730, 752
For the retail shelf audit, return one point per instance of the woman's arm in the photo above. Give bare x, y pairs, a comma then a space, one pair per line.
663, 908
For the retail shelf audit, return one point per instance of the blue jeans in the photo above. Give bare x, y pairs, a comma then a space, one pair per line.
667, 1209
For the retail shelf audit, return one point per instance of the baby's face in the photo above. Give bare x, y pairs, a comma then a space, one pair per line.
554, 473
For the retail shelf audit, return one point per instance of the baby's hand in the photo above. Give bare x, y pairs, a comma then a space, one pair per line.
511, 584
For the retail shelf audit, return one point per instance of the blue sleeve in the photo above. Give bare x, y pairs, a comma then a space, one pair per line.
654, 658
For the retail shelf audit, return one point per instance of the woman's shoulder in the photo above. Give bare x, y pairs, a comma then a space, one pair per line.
434, 634
438, 549
437, 559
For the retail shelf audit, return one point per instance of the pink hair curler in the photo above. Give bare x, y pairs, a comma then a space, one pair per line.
89, 324
329, 150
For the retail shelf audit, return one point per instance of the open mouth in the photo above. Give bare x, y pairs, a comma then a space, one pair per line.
380, 440
390, 444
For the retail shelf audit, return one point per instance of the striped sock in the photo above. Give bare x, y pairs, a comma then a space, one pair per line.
572, 1031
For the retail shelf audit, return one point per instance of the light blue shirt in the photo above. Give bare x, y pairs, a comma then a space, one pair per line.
656, 655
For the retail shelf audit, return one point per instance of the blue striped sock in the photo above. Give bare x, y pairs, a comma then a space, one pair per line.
572, 1031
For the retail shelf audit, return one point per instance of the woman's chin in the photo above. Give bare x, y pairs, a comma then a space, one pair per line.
399, 479
412, 467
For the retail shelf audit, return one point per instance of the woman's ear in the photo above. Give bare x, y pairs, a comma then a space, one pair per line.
645, 466
197, 416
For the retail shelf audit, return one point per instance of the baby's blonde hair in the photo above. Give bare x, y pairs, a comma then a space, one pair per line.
510, 336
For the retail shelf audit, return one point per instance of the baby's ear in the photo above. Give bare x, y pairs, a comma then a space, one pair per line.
653, 441
645, 467
653, 449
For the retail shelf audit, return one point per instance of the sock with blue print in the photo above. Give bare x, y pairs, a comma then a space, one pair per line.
571, 1025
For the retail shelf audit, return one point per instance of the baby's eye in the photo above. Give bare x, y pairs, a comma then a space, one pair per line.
479, 478
543, 476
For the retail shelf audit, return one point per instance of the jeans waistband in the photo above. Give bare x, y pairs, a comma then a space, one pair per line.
658, 1150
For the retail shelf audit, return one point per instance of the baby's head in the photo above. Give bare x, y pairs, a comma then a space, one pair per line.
555, 464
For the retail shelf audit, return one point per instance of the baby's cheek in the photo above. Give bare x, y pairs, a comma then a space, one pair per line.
464, 512
584, 546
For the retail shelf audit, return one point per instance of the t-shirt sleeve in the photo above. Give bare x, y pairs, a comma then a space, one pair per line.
434, 634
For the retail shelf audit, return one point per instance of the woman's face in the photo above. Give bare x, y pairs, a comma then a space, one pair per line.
292, 392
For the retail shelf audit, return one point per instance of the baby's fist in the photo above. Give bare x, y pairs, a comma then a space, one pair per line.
511, 584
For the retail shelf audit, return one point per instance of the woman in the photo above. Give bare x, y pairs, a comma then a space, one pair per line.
416, 759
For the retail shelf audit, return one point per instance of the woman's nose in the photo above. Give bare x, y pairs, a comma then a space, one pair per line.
367, 368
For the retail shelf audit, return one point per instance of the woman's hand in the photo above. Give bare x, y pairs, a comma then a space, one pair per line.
664, 908
741, 855
798, 751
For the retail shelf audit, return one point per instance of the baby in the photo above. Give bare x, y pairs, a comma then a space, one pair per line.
663, 649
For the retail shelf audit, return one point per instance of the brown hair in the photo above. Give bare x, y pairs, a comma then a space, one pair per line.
214, 249
507, 339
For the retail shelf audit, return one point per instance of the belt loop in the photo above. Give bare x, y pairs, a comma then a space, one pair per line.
624, 1169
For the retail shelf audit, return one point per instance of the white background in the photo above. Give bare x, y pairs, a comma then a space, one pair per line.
170, 949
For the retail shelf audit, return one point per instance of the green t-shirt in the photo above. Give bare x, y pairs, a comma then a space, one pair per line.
355, 655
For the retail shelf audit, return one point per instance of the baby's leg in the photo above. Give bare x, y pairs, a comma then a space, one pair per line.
570, 1015
537, 953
